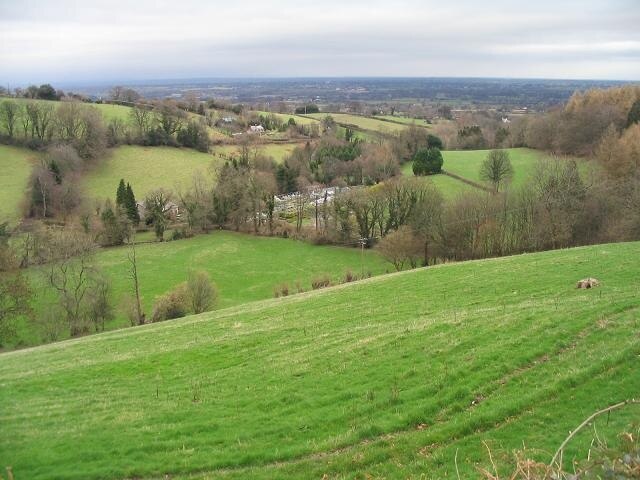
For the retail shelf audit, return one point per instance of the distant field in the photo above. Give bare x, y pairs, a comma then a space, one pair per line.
244, 267
108, 111
467, 163
411, 375
284, 117
277, 151
406, 120
146, 168
15, 168
449, 187
366, 123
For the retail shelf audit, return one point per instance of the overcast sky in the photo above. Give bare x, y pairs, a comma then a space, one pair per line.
85, 40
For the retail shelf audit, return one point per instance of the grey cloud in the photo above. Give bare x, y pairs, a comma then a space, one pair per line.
64, 40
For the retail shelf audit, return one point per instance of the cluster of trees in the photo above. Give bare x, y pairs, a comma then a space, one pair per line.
406, 143
334, 161
351, 162
36, 124
160, 123
15, 292
118, 222
307, 109
470, 137
43, 92
274, 123
53, 184
558, 208
197, 295
78, 296
579, 127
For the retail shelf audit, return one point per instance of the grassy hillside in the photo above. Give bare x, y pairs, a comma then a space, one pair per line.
108, 111
244, 267
284, 117
365, 123
449, 187
15, 167
278, 151
146, 168
405, 120
386, 378
467, 163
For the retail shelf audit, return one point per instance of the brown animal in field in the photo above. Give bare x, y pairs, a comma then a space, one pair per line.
588, 283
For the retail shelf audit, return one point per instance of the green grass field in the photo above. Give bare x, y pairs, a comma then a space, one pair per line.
284, 117
365, 123
108, 111
405, 120
15, 167
146, 168
449, 187
244, 267
467, 163
391, 377
277, 151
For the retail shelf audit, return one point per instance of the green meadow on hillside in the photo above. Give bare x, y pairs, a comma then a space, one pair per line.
149, 168
108, 111
467, 163
15, 167
123, 113
359, 121
406, 120
284, 117
146, 168
391, 377
278, 151
448, 186
244, 267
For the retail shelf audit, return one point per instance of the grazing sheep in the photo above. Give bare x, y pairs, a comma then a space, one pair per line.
588, 283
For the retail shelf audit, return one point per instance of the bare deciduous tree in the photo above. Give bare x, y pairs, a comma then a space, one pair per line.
496, 168
70, 276
9, 115
139, 316
201, 292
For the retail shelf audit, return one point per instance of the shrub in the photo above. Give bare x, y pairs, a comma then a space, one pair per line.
181, 233
401, 247
322, 281
427, 162
435, 142
201, 292
350, 277
171, 305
